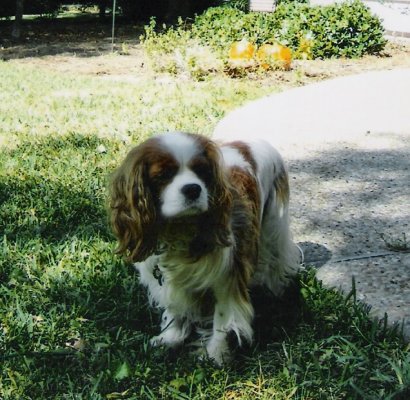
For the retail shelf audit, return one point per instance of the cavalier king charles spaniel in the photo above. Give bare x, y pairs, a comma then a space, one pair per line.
204, 223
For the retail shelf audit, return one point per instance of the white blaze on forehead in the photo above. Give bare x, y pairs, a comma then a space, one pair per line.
180, 145
183, 148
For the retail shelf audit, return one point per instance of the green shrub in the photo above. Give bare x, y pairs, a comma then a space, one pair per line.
242, 5
198, 49
176, 51
341, 30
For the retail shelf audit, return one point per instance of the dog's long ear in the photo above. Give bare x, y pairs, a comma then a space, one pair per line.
221, 198
215, 224
132, 210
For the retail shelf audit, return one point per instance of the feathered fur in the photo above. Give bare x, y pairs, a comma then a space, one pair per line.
203, 223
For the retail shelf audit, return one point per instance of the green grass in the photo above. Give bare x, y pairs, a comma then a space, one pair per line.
74, 323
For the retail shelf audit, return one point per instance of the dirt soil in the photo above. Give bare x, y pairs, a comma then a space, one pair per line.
85, 48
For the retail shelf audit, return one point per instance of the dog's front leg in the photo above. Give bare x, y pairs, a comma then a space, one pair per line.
217, 347
233, 313
174, 330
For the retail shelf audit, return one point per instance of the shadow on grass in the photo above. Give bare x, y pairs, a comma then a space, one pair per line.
57, 243
55, 188
82, 36
52, 202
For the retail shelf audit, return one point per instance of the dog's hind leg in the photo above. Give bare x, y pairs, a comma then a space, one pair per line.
279, 257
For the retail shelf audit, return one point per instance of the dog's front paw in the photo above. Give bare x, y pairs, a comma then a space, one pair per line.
156, 341
218, 351
172, 337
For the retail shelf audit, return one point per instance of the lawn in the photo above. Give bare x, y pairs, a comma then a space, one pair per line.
73, 322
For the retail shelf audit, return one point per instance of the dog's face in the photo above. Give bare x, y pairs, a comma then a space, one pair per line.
179, 176
169, 177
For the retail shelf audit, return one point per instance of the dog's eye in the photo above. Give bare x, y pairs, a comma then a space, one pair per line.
164, 174
202, 169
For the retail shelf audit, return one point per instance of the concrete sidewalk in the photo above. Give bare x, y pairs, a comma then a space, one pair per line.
395, 16
351, 108
347, 144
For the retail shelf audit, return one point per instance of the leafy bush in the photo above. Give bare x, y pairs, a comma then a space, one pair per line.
341, 30
170, 52
242, 5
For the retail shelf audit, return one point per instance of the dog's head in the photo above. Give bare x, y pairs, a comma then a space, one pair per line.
170, 178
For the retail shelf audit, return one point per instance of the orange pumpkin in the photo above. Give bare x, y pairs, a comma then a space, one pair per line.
242, 51
270, 55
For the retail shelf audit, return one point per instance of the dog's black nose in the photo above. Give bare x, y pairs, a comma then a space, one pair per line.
191, 191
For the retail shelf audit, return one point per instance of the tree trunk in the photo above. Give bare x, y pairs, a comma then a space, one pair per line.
102, 7
16, 32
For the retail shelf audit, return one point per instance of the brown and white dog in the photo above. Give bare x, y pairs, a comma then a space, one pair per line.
204, 223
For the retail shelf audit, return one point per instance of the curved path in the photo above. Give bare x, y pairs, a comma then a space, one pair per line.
347, 145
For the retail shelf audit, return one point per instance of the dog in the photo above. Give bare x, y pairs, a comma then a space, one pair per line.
204, 223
